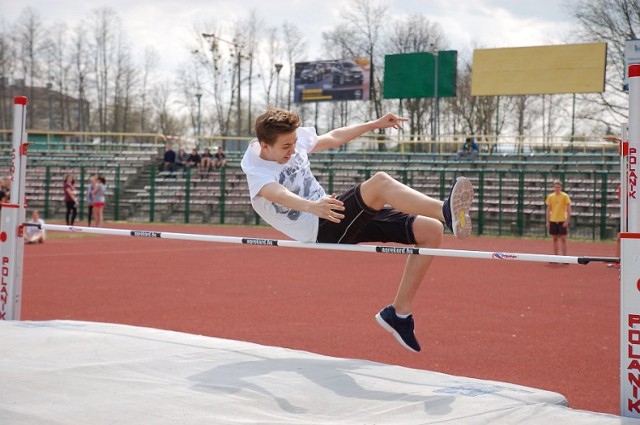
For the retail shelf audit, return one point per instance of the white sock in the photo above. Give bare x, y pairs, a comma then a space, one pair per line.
403, 316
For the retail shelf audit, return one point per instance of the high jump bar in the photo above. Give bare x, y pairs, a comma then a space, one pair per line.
485, 255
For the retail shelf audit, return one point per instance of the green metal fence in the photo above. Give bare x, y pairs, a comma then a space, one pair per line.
508, 201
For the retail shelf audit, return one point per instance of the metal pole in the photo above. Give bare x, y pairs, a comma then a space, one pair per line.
494, 145
82, 193
50, 95
437, 108
249, 120
116, 195
199, 97
278, 68
152, 194
223, 193
187, 196
239, 89
573, 120
47, 184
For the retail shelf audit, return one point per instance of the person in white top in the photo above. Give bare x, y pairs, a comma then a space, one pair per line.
286, 195
33, 234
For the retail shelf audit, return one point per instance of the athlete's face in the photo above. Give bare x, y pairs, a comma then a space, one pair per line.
557, 188
282, 150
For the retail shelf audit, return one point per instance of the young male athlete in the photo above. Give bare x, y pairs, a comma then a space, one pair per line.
286, 195
558, 215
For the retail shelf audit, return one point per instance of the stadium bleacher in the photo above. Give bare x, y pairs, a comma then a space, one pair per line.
510, 188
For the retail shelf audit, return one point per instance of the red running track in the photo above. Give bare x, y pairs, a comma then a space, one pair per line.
553, 327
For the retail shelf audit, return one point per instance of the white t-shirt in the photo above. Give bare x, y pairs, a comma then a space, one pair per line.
296, 176
31, 230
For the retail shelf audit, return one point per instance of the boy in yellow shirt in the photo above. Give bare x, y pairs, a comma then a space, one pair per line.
558, 215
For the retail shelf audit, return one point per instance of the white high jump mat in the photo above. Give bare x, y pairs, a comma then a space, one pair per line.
68, 372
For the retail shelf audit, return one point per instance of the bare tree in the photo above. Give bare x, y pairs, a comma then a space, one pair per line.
295, 46
272, 48
189, 85
165, 120
58, 69
124, 80
214, 55
411, 35
151, 59
464, 105
361, 30
29, 30
523, 119
104, 28
613, 22
252, 28
79, 74
7, 60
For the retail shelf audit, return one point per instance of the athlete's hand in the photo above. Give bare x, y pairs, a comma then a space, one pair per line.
390, 120
328, 208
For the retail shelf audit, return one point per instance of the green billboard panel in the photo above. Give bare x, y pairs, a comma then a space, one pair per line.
413, 75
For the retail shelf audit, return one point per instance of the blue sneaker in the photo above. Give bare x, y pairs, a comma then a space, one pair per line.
456, 208
401, 329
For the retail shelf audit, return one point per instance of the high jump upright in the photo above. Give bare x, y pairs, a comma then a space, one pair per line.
630, 257
13, 218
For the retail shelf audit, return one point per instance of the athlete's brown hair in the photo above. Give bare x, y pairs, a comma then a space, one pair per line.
274, 122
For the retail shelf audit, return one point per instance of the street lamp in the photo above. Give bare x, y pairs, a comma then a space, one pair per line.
278, 68
199, 97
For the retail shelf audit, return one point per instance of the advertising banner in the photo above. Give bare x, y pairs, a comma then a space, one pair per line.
329, 80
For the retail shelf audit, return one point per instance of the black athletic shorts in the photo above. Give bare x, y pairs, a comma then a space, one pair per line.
557, 228
363, 224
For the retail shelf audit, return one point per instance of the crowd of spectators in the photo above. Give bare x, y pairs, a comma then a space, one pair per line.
204, 163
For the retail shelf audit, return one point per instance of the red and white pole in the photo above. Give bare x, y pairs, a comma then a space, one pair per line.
630, 261
13, 218
624, 166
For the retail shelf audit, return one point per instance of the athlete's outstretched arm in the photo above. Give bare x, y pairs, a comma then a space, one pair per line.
340, 136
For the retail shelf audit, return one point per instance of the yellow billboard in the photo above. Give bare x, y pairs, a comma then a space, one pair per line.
569, 68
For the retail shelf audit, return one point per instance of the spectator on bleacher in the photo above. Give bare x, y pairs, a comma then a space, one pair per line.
99, 200
5, 188
194, 159
285, 193
182, 160
34, 234
220, 158
558, 216
469, 150
70, 199
169, 160
207, 160
89, 198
